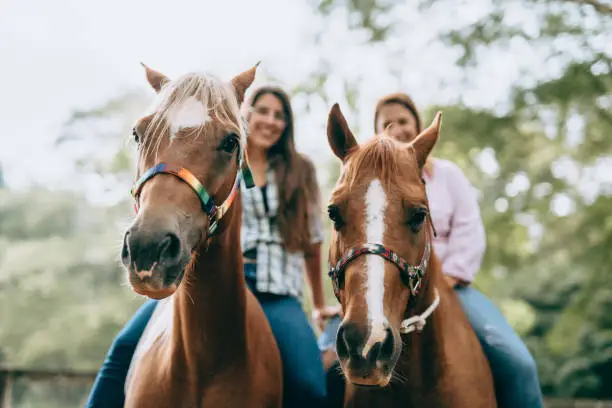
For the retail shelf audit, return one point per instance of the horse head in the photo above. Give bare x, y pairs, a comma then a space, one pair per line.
380, 245
191, 157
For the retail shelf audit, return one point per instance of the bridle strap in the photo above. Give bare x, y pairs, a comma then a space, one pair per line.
214, 212
184, 175
412, 276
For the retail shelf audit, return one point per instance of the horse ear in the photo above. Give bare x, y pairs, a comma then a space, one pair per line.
241, 82
424, 143
339, 136
156, 79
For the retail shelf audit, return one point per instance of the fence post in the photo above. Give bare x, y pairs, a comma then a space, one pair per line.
6, 389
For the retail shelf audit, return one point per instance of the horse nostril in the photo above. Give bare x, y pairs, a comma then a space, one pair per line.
169, 248
388, 345
350, 340
341, 345
125, 251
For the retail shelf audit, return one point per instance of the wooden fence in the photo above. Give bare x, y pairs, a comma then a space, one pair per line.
10, 376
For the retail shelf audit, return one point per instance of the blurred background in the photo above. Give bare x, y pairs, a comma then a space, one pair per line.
526, 91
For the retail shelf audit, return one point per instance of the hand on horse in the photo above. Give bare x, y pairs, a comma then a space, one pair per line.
320, 315
452, 282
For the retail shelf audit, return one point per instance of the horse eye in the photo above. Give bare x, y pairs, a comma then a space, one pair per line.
334, 215
417, 218
229, 144
135, 135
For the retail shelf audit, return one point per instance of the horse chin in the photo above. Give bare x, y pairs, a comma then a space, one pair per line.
374, 381
157, 294
158, 287
374, 378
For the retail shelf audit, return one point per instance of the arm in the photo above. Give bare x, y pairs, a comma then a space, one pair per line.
467, 241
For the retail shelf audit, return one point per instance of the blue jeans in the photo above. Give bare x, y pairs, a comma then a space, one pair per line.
108, 388
304, 378
514, 370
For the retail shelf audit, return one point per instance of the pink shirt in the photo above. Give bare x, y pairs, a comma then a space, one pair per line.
461, 241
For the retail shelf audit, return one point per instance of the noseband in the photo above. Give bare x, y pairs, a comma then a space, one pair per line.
412, 276
214, 212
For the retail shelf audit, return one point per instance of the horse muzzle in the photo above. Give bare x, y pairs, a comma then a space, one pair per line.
367, 358
155, 260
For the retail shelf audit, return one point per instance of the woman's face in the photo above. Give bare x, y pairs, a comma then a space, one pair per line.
266, 121
404, 125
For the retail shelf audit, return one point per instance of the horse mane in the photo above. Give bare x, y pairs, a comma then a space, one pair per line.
383, 155
216, 95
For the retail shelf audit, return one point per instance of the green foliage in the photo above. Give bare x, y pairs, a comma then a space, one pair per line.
62, 293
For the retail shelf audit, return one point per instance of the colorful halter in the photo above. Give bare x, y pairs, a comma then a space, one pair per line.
214, 212
412, 276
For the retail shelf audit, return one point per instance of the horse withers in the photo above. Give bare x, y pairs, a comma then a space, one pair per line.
212, 345
404, 340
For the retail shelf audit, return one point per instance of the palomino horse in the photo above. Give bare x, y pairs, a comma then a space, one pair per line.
389, 282
219, 350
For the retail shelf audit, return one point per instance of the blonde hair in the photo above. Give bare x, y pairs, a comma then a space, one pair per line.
216, 96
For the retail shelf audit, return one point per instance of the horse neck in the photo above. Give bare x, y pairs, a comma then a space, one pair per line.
210, 307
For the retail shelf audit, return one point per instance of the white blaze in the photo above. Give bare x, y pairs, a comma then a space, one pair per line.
376, 204
190, 113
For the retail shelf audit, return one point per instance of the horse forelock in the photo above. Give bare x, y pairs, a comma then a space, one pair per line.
192, 100
383, 157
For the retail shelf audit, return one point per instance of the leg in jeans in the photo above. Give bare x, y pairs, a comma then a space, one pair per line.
304, 378
514, 370
108, 388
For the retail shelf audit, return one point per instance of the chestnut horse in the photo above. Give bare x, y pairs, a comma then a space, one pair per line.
217, 348
404, 340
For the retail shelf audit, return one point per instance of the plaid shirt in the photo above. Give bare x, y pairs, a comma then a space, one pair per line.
278, 271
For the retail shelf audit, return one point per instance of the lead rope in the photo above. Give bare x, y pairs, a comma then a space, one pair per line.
418, 322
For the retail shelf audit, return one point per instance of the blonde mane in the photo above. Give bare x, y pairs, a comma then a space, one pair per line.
216, 96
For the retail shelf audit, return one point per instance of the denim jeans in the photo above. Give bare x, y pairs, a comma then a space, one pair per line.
108, 388
514, 370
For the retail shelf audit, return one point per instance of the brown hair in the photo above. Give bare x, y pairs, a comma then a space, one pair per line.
407, 102
298, 190
400, 99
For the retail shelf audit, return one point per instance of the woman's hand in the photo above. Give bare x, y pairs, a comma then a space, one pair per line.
452, 282
320, 315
